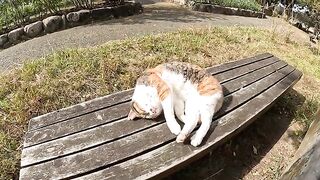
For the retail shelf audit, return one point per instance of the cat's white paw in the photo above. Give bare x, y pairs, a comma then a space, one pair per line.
181, 137
195, 141
175, 129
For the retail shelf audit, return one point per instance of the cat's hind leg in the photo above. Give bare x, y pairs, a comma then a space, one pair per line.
210, 105
206, 119
191, 121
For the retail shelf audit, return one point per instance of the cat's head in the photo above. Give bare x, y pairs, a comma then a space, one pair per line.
145, 103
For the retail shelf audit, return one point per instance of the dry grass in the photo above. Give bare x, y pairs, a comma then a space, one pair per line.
73, 76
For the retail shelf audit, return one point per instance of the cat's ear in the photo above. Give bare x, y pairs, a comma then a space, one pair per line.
132, 115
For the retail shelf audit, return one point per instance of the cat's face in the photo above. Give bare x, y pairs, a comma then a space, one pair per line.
145, 103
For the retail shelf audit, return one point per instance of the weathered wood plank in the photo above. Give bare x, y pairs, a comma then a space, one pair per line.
84, 140
91, 159
77, 124
228, 75
84, 161
171, 157
106, 101
99, 117
232, 65
79, 109
108, 132
236, 84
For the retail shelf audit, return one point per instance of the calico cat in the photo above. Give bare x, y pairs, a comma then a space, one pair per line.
180, 89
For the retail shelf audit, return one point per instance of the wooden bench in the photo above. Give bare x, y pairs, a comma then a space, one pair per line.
94, 140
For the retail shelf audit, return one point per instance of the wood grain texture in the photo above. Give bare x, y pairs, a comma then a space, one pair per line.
228, 75
235, 64
91, 159
77, 124
172, 156
79, 109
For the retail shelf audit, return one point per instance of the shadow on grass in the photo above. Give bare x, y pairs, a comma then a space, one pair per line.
236, 158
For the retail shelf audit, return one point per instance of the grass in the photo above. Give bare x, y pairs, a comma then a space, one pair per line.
243, 4
76, 75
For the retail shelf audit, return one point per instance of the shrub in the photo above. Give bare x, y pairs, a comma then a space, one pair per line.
243, 4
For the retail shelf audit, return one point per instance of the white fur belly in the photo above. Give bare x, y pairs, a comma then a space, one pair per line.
188, 91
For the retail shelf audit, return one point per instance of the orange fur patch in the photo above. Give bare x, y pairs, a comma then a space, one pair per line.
157, 70
209, 86
161, 86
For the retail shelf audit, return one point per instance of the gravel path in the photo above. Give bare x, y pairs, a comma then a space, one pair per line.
157, 18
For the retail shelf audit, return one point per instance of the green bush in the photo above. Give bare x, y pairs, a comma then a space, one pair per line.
243, 4
17, 12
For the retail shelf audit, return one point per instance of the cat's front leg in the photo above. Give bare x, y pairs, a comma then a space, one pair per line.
167, 105
179, 109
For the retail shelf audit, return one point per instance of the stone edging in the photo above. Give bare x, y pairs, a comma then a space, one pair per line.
55, 23
211, 8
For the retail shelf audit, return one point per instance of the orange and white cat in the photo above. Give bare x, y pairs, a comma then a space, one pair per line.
180, 89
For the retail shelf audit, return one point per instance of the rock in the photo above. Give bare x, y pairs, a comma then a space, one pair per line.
219, 9
278, 9
313, 38
3, 39
251, 13
271, 7
84, 14
304, 26
100, 13
233, 11
120, 11
138, 9
52, 24
64, 21
209, 8
34, 29
229, 11
311, 30
268, 12
245, 13
130, 9
73, 17
78, 16
15, 35
196, 7
204, 7
305, 163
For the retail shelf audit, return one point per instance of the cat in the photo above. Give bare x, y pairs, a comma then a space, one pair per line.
181, 89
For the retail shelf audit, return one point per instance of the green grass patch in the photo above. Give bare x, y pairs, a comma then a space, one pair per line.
243, 4
76, 75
